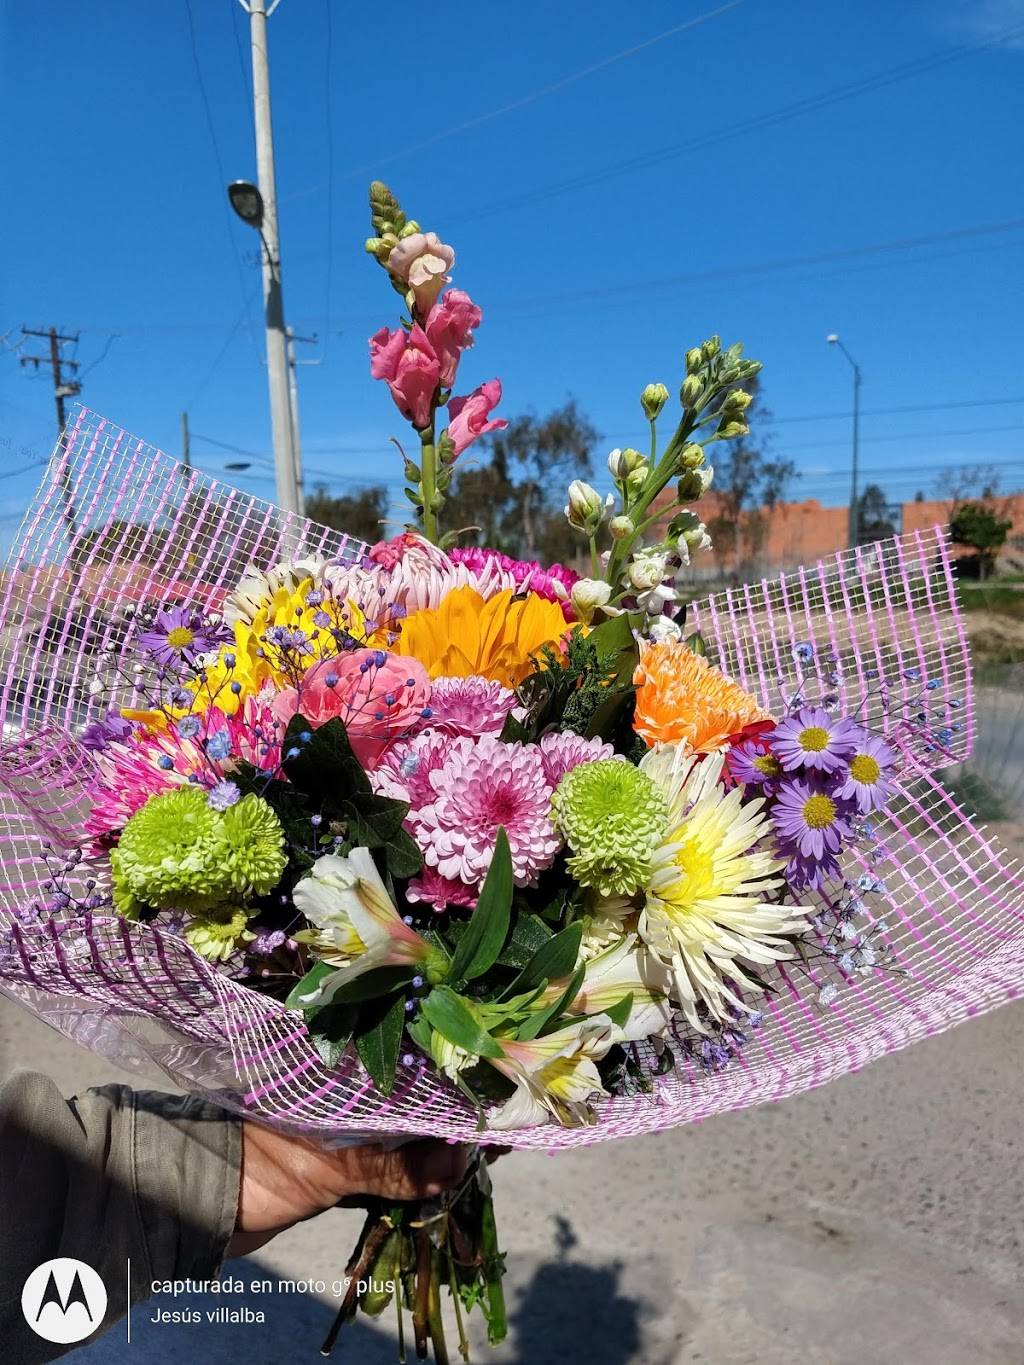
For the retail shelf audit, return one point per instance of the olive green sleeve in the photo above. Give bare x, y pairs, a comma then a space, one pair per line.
110, 1176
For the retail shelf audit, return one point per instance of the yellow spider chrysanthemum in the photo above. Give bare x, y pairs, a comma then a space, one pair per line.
683, 699
495, 639
709, 903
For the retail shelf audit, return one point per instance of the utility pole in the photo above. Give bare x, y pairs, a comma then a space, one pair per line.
284, 428
293, 364
854, 517
186, 446
63, 387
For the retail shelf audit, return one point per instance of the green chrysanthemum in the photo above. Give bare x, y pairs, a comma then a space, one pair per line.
254, 853
178, 853
612, 815
215, 935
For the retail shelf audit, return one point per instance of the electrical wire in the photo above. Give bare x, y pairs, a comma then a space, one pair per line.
222, 177
531, 97
772, 118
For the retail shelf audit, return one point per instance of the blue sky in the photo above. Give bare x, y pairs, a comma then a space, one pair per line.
606, 214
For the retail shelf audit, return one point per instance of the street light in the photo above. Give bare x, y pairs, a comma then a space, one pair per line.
854, 523
247, 202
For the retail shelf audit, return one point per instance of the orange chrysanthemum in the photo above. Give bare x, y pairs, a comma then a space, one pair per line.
681, 698
467, 636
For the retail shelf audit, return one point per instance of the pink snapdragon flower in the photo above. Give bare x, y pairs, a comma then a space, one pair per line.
470, 418
449, 329
422, 261
408, 364
380, 697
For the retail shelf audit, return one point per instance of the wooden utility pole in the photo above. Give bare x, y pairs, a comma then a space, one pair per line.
63, 388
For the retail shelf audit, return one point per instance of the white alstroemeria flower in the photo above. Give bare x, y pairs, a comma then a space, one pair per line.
553, 1075
345, 897
664, 628
624, 967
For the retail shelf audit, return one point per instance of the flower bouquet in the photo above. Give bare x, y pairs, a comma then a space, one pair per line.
414, 838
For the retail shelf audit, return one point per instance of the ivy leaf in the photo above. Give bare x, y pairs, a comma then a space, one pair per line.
529, 933
402, 855
373, 984
324, 766
555, 960
455, 1019
480, 945
330, 1030
379, 1038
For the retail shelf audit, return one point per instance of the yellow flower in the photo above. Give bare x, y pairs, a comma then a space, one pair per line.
711, 898
681, 698
466, 636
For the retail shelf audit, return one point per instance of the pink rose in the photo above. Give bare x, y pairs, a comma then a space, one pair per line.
422, 261
380, 697
467, 417
406, 360
449, 329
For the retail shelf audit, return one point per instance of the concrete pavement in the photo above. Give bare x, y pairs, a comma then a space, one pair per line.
876, 1220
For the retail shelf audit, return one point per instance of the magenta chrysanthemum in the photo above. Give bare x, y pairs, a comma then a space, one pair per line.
469, 706
497, 785
554, 583
560, 753
432, 889
405, 771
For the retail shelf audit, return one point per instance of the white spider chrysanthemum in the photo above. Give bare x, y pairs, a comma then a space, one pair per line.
709, 900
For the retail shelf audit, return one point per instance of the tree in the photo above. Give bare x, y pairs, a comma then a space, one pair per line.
873, 522
978, 527
968, 483
357, 514
749, 482
515, 498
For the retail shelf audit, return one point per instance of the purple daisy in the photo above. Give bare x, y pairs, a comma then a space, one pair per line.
178, 633
868, 780
811, 738
813, 824
751, 764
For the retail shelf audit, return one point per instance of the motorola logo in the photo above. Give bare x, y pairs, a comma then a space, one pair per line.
64, 1301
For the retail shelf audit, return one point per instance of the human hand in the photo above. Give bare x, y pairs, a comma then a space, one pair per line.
288, 1179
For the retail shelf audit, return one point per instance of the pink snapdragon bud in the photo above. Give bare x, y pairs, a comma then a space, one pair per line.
449, 329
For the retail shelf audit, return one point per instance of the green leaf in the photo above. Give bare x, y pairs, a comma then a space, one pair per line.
454, 1018
480, 945
379, 1039
619, 1013
529, 933
402, 855
325, 766
330, 1030
555, 960
373, 984
311, 982
538, 1023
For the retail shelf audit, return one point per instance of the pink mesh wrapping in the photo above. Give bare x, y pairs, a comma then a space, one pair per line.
118, 522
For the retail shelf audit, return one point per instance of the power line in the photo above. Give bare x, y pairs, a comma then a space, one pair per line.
908, 436
533, 96
811, 104
222, 179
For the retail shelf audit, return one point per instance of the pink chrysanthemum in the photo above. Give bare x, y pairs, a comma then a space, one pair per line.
497, 785
206, 747
469, 706
562, 752
405, 771
431, 888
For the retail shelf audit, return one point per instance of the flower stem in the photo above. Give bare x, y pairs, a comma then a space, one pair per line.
428, 482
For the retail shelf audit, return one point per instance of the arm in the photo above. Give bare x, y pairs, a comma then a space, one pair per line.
171, 1182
